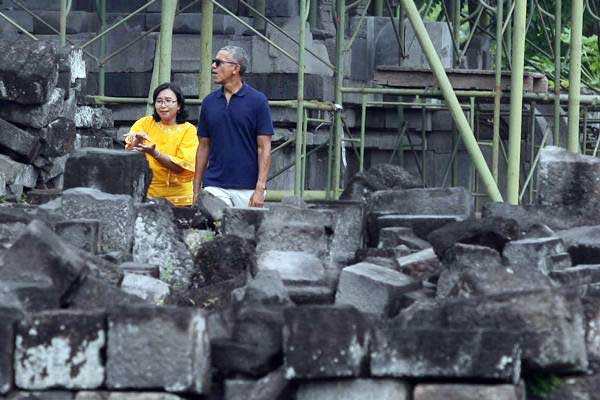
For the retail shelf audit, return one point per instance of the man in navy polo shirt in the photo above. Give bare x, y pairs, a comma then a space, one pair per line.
235, 129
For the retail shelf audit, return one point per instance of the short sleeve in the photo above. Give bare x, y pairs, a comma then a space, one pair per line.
186, 150
203, 121
264, 123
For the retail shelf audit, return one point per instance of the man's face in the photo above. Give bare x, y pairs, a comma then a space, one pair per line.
224, 68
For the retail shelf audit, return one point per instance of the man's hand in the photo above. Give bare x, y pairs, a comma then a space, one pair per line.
196, 197
258, 198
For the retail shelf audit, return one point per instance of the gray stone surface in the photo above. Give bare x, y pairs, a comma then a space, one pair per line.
567, 182
272, 386
51, 270
116, 212
93, 117
550, 324
78, 22
294, 267
28, 71
479, 270
8, 319
35, 116
294, 237
582, 244
578, 275
20, 17
432, 391
396, 236
156, 241
355, 389
422, 225
373, 289
81, 233
431, 354
16, 173
420, 265
150, 289
110, 171
96, 293
242, 222
435, 201
324, 342
40, 395
266, 288
130, 267
126, 396
18, 142
157, 347
60, 349
190, 23
537, 252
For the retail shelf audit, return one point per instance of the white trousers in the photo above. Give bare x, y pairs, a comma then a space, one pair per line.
232, 197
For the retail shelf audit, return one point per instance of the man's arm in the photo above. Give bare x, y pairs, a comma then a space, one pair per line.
201, 161
264, 164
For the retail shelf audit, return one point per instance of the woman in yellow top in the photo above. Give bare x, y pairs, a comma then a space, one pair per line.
170, 145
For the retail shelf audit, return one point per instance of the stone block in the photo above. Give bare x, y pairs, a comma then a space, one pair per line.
35, 115
131, 267
190, 23
422, 225
457, 391
16, 173
373, 289
57, 138
93, 117
272, 386
186, 50
399, 235
28, 71
292, 237
579, 275
549, 323
150, 289
265, 288
567, 182
125, 396
491, 355
52, 268
81, 233
24, 20
537, 252
242, 222
455, 201
96, 293
40, 395
355, 389
311, 294
157, 347
157, 241
60, 349
8, 319
478, 271
117, 172
582, 244
18, 142
116, 213
324, 342
294, 267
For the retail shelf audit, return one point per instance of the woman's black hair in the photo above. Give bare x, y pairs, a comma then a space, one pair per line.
182, 113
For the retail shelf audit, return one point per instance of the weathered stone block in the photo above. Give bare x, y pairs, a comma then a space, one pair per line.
125, 396
266, 288
396, 236
131, 267
150, 289
94, 293
578, 275
535, 252
40, 395
294, 237
324, 342
51, 270
110, 171
28, 70
242, 222
18, 142
93, 117
582, 244
294, 267
428, 391
81, 233
58, 138
116, 212
420, 265
78, 22
374, 289
16, 173
422, 225
35, 116
8, 319
455, 201
60, 349
355, 389
550, 324
158, 347
157, 241
492, 355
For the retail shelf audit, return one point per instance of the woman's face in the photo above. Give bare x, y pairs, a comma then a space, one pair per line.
166, 105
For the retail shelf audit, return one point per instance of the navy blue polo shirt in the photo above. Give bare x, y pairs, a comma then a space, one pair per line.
232, 129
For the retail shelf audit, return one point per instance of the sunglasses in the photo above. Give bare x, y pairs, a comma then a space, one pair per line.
218, 62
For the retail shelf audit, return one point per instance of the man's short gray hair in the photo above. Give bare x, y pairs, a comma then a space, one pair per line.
239, 55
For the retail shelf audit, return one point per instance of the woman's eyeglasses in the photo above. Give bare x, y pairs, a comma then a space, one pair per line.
167, 102
218, 62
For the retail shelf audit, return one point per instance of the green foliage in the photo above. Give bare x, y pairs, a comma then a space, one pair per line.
541, 385
590, 61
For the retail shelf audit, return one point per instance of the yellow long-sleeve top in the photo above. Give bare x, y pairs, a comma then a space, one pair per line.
180, 143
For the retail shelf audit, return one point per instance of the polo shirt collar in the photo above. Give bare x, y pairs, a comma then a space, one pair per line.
242, 92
